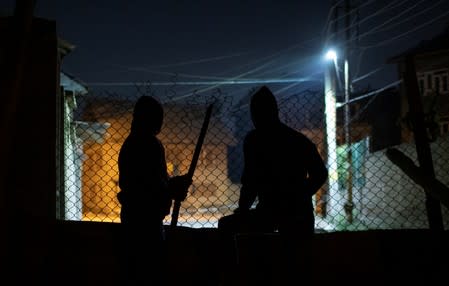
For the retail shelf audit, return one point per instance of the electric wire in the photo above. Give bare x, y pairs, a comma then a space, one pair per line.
409, 31
217, 81
389, 6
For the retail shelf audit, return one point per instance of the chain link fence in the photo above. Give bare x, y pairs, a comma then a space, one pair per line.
367, 192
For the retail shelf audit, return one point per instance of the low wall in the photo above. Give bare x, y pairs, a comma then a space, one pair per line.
86, 253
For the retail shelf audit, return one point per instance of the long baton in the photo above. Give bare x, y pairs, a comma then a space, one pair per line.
196, 155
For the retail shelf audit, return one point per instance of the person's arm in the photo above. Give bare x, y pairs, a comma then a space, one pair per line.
248, 192
178, 187
247, 197
316, 169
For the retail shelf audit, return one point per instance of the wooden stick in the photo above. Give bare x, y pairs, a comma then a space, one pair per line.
196, 155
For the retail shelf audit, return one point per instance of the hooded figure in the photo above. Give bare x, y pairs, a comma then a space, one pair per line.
148, 116
143, 178
264, 109
282, 170
146, 194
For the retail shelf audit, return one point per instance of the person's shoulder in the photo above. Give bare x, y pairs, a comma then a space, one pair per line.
126, 143
140, 140
299, 136
251, 134
250, 137
154, 142
291, 131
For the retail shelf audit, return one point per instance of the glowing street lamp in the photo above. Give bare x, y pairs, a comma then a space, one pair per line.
331, 55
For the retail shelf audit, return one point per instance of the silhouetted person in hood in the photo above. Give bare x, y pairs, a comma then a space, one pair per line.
282, 170
146, 194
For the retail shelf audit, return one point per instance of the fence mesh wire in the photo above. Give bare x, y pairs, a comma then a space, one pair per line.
370, 192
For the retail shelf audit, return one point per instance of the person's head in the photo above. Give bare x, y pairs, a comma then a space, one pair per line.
264, 109
148, 115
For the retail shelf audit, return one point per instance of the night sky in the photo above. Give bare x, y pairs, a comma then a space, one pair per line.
121, 43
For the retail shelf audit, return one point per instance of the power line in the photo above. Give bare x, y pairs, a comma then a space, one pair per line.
413, 16
359, 61
368, 74
216, 78
329, 15
370, 93
238, 79
409, 31
219, 80
200, 61
374, 94
335, 21
372, 31
175, 74
222, 82
232, 80
386, 8
375, 29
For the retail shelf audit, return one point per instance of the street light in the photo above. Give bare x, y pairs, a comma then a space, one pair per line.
331, 55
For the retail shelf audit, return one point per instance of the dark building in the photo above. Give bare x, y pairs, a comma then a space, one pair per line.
432, 72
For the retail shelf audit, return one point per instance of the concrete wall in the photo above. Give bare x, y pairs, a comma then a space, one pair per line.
85, 253
29, 67
391, 200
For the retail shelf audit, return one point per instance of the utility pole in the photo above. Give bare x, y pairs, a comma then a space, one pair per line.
423, 150
333, 200
349, 205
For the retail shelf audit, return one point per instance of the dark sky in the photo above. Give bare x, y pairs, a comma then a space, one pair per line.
120, 43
